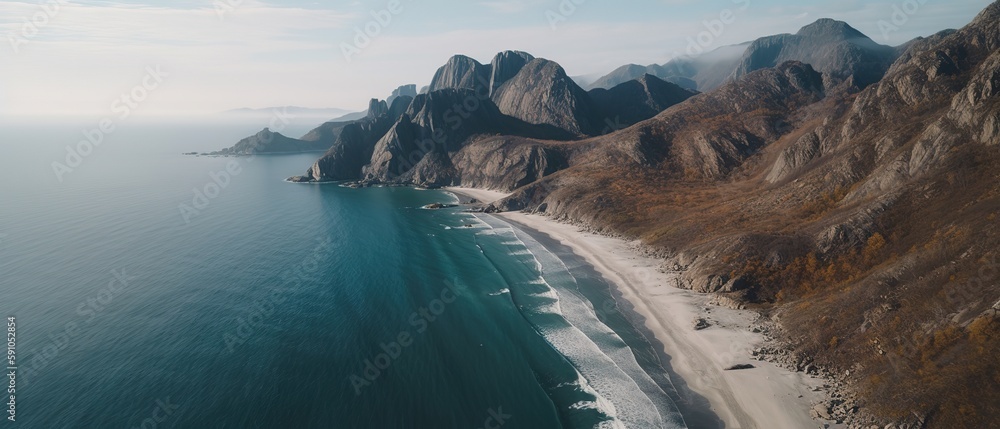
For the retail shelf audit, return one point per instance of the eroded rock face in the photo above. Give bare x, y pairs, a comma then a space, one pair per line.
506, 163
399, 106
806, 149
438, 122
505, 66
542, 93
377, 108
975, 107
461, 72
352, 150
402, 91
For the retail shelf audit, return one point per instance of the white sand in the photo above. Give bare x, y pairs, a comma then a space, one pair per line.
479, 194
766, 397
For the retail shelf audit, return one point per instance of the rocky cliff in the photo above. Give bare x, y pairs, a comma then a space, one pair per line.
402, 91
505, 66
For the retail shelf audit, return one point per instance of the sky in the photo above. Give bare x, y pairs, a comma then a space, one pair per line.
201, 57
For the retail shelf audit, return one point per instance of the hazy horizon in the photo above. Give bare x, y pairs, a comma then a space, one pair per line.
199, 57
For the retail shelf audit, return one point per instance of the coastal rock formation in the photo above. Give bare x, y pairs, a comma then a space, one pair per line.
506, 163
436, 126
351, 151
267, 141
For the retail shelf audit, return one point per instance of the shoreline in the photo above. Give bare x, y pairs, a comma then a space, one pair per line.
765, 396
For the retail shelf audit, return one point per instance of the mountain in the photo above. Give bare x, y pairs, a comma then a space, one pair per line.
458, 135
862, 223
415, 141
542, 93
637, 100
505, 66
703, 73
405, 90
351, 117
832, 47
461, 72
450, 135
268, 142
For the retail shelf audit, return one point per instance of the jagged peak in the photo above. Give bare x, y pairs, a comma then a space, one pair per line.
506, 65
512, 53
989, 15
377, 108
460, 59
831, 29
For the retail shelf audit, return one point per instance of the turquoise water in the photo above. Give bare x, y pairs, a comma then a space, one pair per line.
255, 303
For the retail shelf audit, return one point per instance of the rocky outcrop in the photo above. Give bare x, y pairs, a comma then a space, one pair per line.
541, 93
505, 66
402, 91
352, 150
399, 105
506, 163
637, 100
377, 108
794, 157
434, 127
831, 47
461, 72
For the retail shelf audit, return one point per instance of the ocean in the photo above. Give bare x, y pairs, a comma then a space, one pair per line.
155, 290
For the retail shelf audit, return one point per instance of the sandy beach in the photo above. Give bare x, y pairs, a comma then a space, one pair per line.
765, 396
